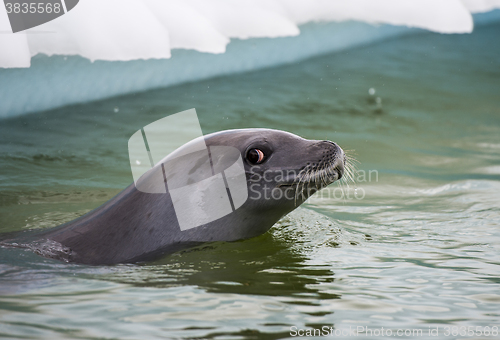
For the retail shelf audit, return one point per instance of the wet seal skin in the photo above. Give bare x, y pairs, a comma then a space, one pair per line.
282, 170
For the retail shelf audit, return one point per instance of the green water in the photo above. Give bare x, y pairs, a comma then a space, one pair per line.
417, 247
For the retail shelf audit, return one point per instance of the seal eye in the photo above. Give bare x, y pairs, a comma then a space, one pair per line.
255, 156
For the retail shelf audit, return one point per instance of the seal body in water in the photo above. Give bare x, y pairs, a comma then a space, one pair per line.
281, 171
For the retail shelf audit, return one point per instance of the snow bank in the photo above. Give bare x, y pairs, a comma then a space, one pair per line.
105, 48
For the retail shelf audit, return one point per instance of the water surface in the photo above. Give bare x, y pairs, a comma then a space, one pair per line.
414, 246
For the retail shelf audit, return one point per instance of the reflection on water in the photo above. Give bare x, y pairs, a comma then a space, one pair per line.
419, 250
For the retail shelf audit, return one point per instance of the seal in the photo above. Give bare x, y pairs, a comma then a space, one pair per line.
281, 171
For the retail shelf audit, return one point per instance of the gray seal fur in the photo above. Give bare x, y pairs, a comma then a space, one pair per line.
135, 226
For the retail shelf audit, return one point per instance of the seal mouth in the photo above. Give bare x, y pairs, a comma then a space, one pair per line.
313, 177
321, 175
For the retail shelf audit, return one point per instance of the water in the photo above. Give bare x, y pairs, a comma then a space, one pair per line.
416, 246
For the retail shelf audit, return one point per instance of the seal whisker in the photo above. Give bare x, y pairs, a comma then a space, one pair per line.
325, 174
350, 168
299, 180
304, 181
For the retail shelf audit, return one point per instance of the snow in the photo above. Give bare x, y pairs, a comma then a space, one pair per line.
111, 47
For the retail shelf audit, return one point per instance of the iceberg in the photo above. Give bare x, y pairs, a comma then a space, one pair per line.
106, 48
